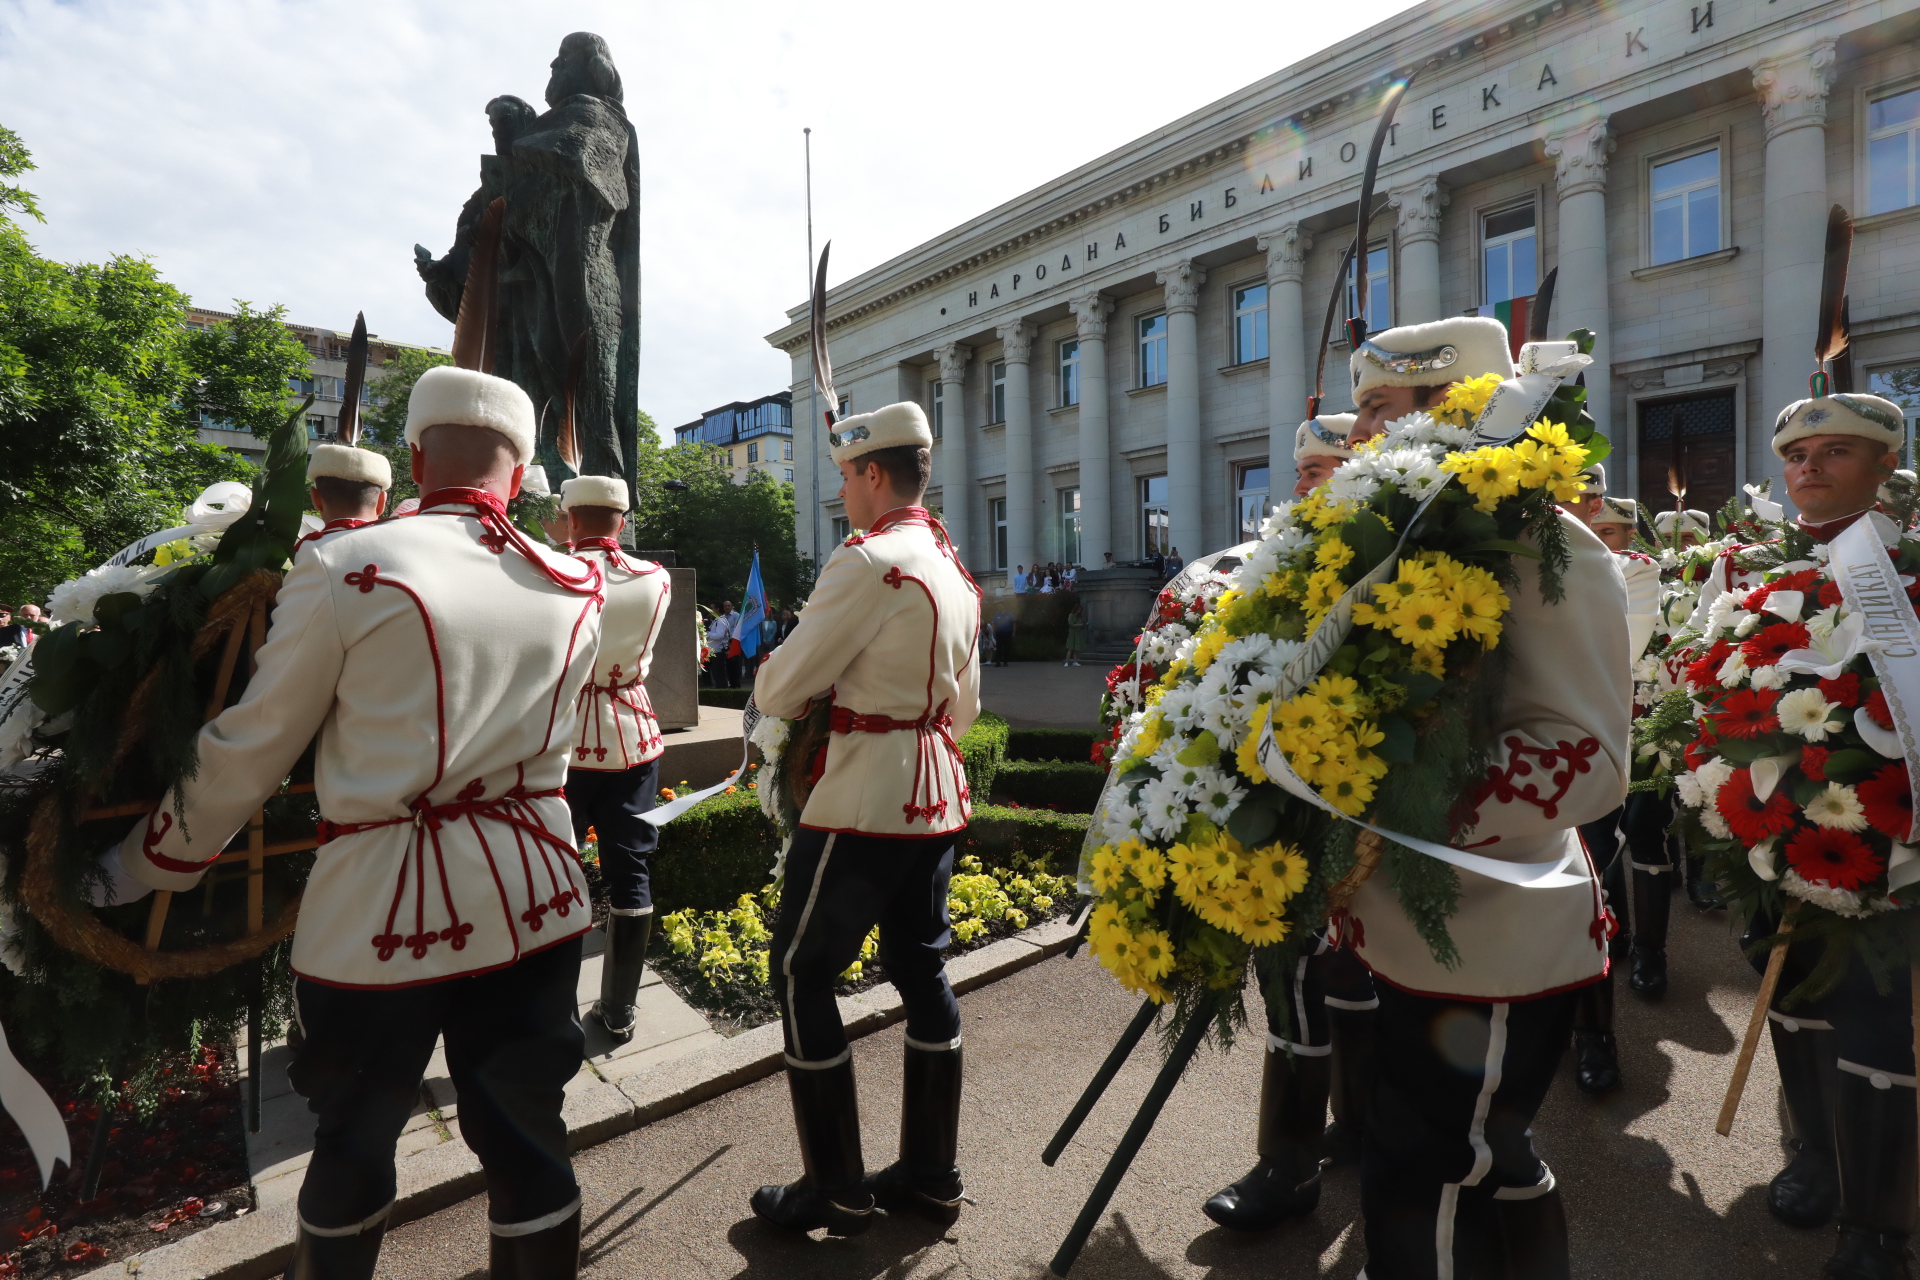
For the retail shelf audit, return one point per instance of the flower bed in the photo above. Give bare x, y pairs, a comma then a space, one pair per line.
719, 963
176, 1161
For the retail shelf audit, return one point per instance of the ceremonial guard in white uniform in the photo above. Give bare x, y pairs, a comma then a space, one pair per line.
889, 636
1466, 1053
614, 777
347, 486
438, 659
1846, 1058
1319, 447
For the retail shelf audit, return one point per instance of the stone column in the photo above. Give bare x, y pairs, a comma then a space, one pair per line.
1182, 282
1017, 340
1096, 445
1288, 376
1793, 97
956, 473
1419, 204
1579, 152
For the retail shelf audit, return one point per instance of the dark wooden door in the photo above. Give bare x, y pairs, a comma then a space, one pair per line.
1699, 428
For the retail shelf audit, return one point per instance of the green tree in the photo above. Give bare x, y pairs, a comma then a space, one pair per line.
101, 390
713, 524
384, 423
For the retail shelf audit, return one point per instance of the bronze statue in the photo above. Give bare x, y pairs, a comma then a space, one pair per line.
570, 256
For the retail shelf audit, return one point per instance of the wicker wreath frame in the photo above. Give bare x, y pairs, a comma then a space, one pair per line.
236, 621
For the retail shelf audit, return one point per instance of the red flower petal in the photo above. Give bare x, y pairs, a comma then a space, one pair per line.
1824, 855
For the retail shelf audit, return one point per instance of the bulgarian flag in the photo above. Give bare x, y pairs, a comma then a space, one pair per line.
1513, 314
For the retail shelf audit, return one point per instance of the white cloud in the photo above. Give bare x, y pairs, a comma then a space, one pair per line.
294, 153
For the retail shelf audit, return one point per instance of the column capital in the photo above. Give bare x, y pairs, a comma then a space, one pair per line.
1091, 312
953, 361
1793, 87
1419, 203
1579, 153
1286, 249
1017, 342
1182, 282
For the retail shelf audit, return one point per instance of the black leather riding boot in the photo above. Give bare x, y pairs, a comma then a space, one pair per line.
1652, 903
826, 1111
329, 1257
1353, 1072
1293, 1115
1807, 1191
552, 1253
1533, 1235
1597, 1061
1874, 1133
621, 969
926, 1177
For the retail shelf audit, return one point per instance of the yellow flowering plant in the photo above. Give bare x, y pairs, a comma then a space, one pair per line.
1199, 862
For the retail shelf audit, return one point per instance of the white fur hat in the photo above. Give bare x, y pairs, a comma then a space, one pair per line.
1617, 511
534, 481
344, 462
1844, 413
889, 427
1596, 478
1430, 355
594, 491
1691, 521
1324, 436
445, 395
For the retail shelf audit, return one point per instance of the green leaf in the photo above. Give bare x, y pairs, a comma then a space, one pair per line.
106, 648
1253, 824
1586, 339
1507, 545
111, 611
1369, 537
1400, 743
1420, 685
60, 673
1743, 752
1599, 448
1852, 765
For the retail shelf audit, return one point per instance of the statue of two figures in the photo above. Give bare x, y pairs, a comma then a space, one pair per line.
569, 258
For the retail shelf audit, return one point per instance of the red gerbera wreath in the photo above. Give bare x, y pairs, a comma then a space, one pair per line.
1770, 644
1843, 690
1752, 819
1887, 798
1747, 713
1826, 855
1705, 671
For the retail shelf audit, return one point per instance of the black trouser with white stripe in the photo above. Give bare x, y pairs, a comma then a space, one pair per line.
1448, 1136
838, 887
614, 803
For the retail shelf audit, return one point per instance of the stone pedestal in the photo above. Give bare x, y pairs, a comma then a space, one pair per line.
1117, 602
673, 682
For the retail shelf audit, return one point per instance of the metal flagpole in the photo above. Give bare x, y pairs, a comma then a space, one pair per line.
813, 410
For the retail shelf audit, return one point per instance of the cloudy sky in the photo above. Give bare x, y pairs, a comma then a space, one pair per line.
294, 152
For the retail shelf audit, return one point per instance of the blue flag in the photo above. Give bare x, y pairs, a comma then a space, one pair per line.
753, 611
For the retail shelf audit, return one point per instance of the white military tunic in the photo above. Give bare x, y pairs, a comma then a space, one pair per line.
618, 729
1560, 758
439, 667
890, 632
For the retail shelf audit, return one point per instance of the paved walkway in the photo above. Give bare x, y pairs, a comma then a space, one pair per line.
1651, 1190
1045, 695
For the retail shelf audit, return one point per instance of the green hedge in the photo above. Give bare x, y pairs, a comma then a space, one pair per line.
735, 698
1074, 745
1023, 838
713, 853
1050, 784
982, 750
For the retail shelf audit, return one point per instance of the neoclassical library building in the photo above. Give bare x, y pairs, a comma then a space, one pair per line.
1115, 363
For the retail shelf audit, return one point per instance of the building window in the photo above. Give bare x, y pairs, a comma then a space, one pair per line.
1156, 526
753, 452
1509, 260
842, 529
1379, 285
789, 475
1900, 384
1153, 350
997, 397
1686, 206
316, 427
1250, 324
997, 518
1069, 525
1070, 372
786, 452
729, 457
1253, 491
939, 414
1893, 151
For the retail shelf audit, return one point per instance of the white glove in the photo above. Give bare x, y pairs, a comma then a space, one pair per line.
118, 885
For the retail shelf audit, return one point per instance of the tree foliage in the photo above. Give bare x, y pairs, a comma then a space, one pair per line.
713, 524
383, 424
101, 389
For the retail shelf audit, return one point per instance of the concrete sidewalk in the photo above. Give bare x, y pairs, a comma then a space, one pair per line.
1651, 1190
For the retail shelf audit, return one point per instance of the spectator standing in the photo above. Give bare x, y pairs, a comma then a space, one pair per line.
736, 661
1070, 577
770, 634
1076, 635
989, 650
13, 634
719, 640
1174, 564
1003, 636
1020, 579
31, 615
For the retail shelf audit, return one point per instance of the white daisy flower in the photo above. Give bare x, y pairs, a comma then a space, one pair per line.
1163, 808
1353, 482
1806, 712
1837, 807
1219, 794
